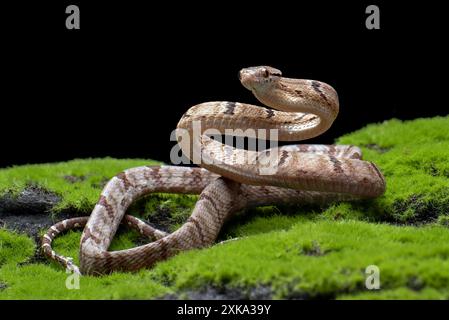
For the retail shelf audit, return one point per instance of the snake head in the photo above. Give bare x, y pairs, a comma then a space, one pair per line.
254, 78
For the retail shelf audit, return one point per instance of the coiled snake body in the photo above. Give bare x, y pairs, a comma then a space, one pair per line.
303, 173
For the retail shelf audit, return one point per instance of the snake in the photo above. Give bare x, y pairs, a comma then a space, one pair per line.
228, 179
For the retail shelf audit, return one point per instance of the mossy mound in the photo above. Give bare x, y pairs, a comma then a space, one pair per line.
413, 156
282, 252
76, 183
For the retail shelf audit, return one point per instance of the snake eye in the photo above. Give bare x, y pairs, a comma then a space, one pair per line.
265, 73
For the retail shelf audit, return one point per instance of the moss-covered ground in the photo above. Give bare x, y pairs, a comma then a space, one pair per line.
281, 252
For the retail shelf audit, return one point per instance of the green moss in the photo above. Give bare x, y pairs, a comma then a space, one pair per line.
167, 210
77, 182
38, 281
312, 259
413, 157
296, 252
282, 259
14, 248
400, 293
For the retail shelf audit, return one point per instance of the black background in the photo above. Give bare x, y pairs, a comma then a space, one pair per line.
118, 86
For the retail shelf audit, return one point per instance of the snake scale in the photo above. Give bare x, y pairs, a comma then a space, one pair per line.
299, 109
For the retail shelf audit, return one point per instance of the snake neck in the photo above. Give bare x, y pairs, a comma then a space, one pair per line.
297, 95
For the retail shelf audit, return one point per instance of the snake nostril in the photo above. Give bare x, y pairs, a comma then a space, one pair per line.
240, 75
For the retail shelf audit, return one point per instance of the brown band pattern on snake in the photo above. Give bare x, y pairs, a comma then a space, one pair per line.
301, 109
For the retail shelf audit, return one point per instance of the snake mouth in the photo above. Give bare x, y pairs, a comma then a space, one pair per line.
247, 79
